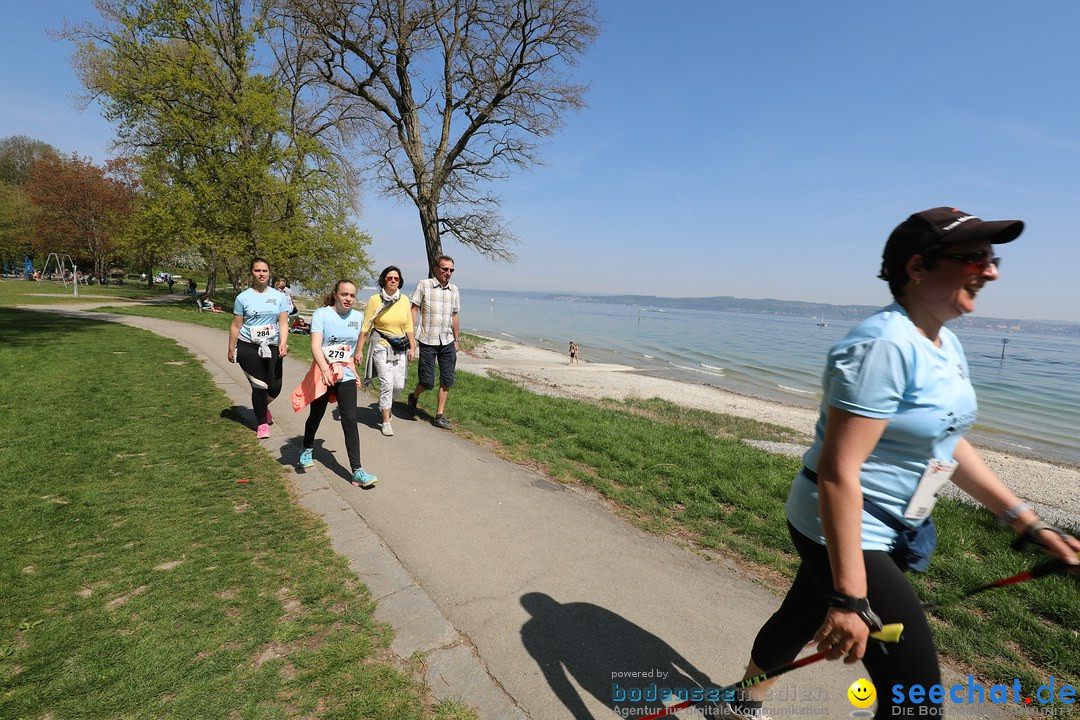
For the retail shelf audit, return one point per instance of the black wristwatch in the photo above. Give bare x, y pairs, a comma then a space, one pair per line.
859, 606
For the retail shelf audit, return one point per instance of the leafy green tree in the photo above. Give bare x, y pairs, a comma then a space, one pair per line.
180, 78
18, 153
159, 224
16, 224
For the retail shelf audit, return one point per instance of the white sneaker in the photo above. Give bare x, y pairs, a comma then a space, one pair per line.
387, 429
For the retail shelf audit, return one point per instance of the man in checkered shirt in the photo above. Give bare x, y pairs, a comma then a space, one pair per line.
435, 306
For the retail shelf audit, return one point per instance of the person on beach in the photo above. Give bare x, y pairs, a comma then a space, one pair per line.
573, 353
335, 330
436, 301
897, 402
258, 340
388, 322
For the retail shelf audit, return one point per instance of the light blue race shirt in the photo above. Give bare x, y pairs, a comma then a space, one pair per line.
260, 312
340, 334
886, 369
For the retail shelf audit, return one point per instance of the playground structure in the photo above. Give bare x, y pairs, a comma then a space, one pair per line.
62, 261
13, 269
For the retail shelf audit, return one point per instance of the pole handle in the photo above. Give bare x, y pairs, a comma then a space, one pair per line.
889, 633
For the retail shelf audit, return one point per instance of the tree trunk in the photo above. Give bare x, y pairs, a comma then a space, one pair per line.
429, 221
211, 278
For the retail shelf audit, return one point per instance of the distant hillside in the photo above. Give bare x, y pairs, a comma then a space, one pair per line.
796, 308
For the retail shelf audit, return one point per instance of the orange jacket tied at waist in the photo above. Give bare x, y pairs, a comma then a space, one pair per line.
312, 386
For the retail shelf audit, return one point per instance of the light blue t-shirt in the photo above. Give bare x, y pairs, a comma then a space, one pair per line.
260, 312
342, 331
885, 368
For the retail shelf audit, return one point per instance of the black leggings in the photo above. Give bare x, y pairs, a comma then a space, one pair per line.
346, 402
264, 375
912, 661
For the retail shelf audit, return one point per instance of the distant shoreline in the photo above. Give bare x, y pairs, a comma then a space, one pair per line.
1053, 487
799, 309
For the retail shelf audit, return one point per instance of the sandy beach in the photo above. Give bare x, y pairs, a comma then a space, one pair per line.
1053, 489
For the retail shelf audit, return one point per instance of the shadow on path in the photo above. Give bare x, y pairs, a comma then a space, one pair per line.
601, 650
239, 414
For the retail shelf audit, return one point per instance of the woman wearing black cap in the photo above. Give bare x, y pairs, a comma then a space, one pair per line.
897, 402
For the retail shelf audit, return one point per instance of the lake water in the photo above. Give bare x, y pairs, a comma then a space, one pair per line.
1028, 402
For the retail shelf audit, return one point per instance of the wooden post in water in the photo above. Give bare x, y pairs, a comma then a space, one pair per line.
1003, 342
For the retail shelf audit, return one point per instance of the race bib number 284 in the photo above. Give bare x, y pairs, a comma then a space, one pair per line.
263, 332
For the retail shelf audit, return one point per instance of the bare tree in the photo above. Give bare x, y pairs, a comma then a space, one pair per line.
448, 96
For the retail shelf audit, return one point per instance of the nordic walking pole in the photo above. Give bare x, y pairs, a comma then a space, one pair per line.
1049, 567
889, 633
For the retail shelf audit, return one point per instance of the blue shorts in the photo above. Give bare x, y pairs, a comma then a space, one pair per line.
446, 356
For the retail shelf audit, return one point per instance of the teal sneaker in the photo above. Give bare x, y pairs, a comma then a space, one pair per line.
363, 478
305, 459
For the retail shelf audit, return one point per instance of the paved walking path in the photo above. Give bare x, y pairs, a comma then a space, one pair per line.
529, 599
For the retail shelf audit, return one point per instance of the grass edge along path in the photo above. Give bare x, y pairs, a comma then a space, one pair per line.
686, 473
141, 579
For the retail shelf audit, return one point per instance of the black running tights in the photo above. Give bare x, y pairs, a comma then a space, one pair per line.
346, 402
911, 661
264, 375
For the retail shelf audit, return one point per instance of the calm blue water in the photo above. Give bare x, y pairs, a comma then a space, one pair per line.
1028, 402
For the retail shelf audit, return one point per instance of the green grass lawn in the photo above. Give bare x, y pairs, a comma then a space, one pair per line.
182, 312
140, 579
687, 474
47, 292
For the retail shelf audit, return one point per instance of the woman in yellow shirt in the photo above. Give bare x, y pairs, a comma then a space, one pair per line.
389, 325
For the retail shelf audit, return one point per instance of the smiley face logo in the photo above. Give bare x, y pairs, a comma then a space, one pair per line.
862, 693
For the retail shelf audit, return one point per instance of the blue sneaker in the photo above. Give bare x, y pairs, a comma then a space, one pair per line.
363, 478
305, 459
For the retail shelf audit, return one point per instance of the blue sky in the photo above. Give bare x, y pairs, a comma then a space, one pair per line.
749, 148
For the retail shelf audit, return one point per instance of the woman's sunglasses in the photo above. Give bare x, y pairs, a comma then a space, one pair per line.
976, 261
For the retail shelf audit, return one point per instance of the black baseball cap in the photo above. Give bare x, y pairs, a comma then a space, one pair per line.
931, 230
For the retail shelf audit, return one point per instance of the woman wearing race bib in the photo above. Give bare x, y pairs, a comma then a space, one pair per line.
335, 329
388, 322
897, 402
258, 340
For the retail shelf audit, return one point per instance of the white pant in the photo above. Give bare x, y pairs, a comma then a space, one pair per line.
391, 367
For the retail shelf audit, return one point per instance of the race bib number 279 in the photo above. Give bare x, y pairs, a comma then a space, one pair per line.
337, 353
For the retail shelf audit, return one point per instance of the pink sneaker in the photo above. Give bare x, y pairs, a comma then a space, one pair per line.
263, 432
269, 417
